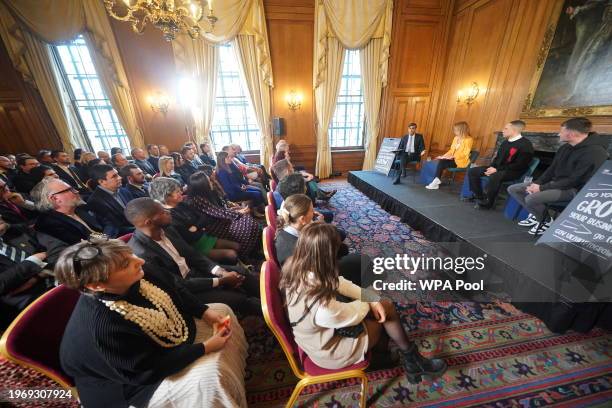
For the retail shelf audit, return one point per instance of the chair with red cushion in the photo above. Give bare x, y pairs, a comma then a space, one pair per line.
126, 238
33, 338
303, 368
268, 244
271, 201
271, 216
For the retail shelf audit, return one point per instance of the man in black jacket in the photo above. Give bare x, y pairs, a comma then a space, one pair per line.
140, 159
134, 184
24, 182
67, 172
511, 161
410, 149
574, 164
160, 245
7, 172
107, 200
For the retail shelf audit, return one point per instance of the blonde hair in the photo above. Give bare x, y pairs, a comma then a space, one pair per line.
294, 207
462, 128
163, 162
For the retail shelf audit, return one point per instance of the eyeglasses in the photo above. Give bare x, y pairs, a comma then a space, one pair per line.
87, 252
75, 191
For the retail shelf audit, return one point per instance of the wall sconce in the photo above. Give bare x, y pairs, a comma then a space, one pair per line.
294, 100
159, 102
468, 97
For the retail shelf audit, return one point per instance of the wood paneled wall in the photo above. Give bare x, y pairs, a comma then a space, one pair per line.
25, 125
418, 46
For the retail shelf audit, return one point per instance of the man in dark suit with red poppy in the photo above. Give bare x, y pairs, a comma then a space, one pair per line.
511, 162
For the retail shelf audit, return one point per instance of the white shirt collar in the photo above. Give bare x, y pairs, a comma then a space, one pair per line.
292, 230
515, 138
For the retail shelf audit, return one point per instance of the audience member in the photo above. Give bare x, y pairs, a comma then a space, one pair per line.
166, 169
294, 184
118, 161
153, 152
108, 201
104, 156
457, 156
86, 158
136, 338
185, 165
573, 165
23, 180
19, 213
234, 225
134, 184
42, 172
163, 150
65, 216
67, 172
7, 171
159, 244
511, 161
410, 149
140, 159
194, 160
207, 156
337, 334
115, 150
192, 224
22, 278
44, 157
235, 185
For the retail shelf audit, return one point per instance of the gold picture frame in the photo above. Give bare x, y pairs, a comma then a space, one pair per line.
529, 111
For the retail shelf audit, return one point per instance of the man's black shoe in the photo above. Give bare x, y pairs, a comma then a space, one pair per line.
396, 182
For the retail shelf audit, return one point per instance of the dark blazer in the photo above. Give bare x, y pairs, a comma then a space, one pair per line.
7, 177
13, 275
285, 245
67, 177
154, 161
109, 211
199, 277
131, 192
189, 222
206, 159
24, 183
68, 229
419, 144
146, 167
186, 170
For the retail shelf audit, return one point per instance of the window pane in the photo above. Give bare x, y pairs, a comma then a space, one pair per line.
95, 111
234, 120
346, 127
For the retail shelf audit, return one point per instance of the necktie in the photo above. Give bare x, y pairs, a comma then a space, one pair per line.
14, 254
410, 144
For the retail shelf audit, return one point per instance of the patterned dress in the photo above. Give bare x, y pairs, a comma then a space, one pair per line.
228, 224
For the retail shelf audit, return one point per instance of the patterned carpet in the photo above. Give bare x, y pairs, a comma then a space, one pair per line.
498, 356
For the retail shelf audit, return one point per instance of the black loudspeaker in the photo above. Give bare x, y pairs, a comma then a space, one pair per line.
278, 126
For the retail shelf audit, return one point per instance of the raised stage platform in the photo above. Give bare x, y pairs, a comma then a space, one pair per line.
533, 276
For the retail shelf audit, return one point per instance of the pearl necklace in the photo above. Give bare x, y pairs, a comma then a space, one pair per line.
164, 324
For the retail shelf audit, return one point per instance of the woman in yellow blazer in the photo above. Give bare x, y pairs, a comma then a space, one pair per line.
458, 154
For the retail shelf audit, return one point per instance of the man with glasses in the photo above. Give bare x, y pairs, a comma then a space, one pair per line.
410, 149
65, 216
107, 200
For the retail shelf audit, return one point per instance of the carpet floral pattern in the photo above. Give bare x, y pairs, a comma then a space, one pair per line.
498, 356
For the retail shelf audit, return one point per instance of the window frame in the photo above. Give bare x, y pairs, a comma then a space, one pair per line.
74, 101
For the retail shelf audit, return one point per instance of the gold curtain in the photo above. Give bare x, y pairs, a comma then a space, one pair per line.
244, 22
354, 24
326, 95
32, 58
259, 92
198, 62
56, 21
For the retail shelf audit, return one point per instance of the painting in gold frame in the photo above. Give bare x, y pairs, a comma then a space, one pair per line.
574, 67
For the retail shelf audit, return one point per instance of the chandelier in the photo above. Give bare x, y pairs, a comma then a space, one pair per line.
170, 16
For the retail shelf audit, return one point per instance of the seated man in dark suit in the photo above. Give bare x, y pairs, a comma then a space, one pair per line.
153, 152
160, 244
140, 159
511, 162
65, 216
24, 182
410, 149
22, 278
134, 184
108, 201
67, 172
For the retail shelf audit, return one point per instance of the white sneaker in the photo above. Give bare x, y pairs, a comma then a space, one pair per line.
529, 221
434, 185
539, 231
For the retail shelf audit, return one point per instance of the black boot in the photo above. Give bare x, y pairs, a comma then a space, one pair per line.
416, 366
